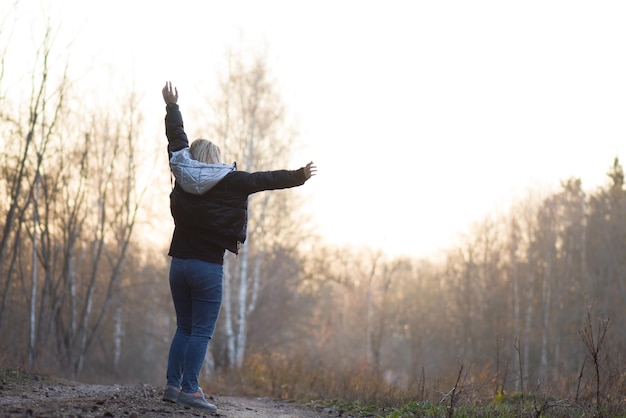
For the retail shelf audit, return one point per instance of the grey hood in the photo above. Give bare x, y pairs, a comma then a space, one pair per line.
194, 176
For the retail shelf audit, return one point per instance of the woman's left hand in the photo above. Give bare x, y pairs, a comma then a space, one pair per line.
170, 95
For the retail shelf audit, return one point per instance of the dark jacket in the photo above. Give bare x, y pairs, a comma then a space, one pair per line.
207, 224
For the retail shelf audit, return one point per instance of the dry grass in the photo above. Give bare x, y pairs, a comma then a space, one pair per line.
361, 392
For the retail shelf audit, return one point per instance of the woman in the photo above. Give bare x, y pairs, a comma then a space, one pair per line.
209, 205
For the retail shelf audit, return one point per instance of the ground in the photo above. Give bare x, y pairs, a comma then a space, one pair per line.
25, 395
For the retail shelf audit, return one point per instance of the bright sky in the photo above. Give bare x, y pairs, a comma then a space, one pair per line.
422, 116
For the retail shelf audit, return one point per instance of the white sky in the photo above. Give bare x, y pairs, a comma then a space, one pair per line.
422, 116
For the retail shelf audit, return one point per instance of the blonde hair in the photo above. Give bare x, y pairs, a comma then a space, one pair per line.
205, 151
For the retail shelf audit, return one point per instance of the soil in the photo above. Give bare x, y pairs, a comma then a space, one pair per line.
24, 395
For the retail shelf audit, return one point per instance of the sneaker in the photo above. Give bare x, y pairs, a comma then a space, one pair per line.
195, 400
170, 394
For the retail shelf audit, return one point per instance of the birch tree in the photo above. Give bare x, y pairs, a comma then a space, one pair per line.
251, 127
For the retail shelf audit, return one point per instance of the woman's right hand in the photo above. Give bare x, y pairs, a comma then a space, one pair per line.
170, 95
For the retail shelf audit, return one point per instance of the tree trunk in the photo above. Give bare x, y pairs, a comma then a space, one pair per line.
33, 292
547, 295
242, 299
227, 304
118, 335
528, 326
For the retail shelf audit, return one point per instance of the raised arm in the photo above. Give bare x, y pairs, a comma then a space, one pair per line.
193, 176
174, 129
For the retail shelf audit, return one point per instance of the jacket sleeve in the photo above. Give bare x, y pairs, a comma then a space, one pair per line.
174, 130
250, 183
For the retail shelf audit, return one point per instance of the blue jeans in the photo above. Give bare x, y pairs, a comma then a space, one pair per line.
196, 287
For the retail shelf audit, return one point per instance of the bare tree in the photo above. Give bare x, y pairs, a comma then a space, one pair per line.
381, 298
117, 201
251, 127
595, 344
57, 176
44, 111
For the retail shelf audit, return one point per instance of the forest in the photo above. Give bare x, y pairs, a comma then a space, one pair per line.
530, 300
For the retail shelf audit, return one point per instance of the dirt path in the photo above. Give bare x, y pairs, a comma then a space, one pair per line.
36, 396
